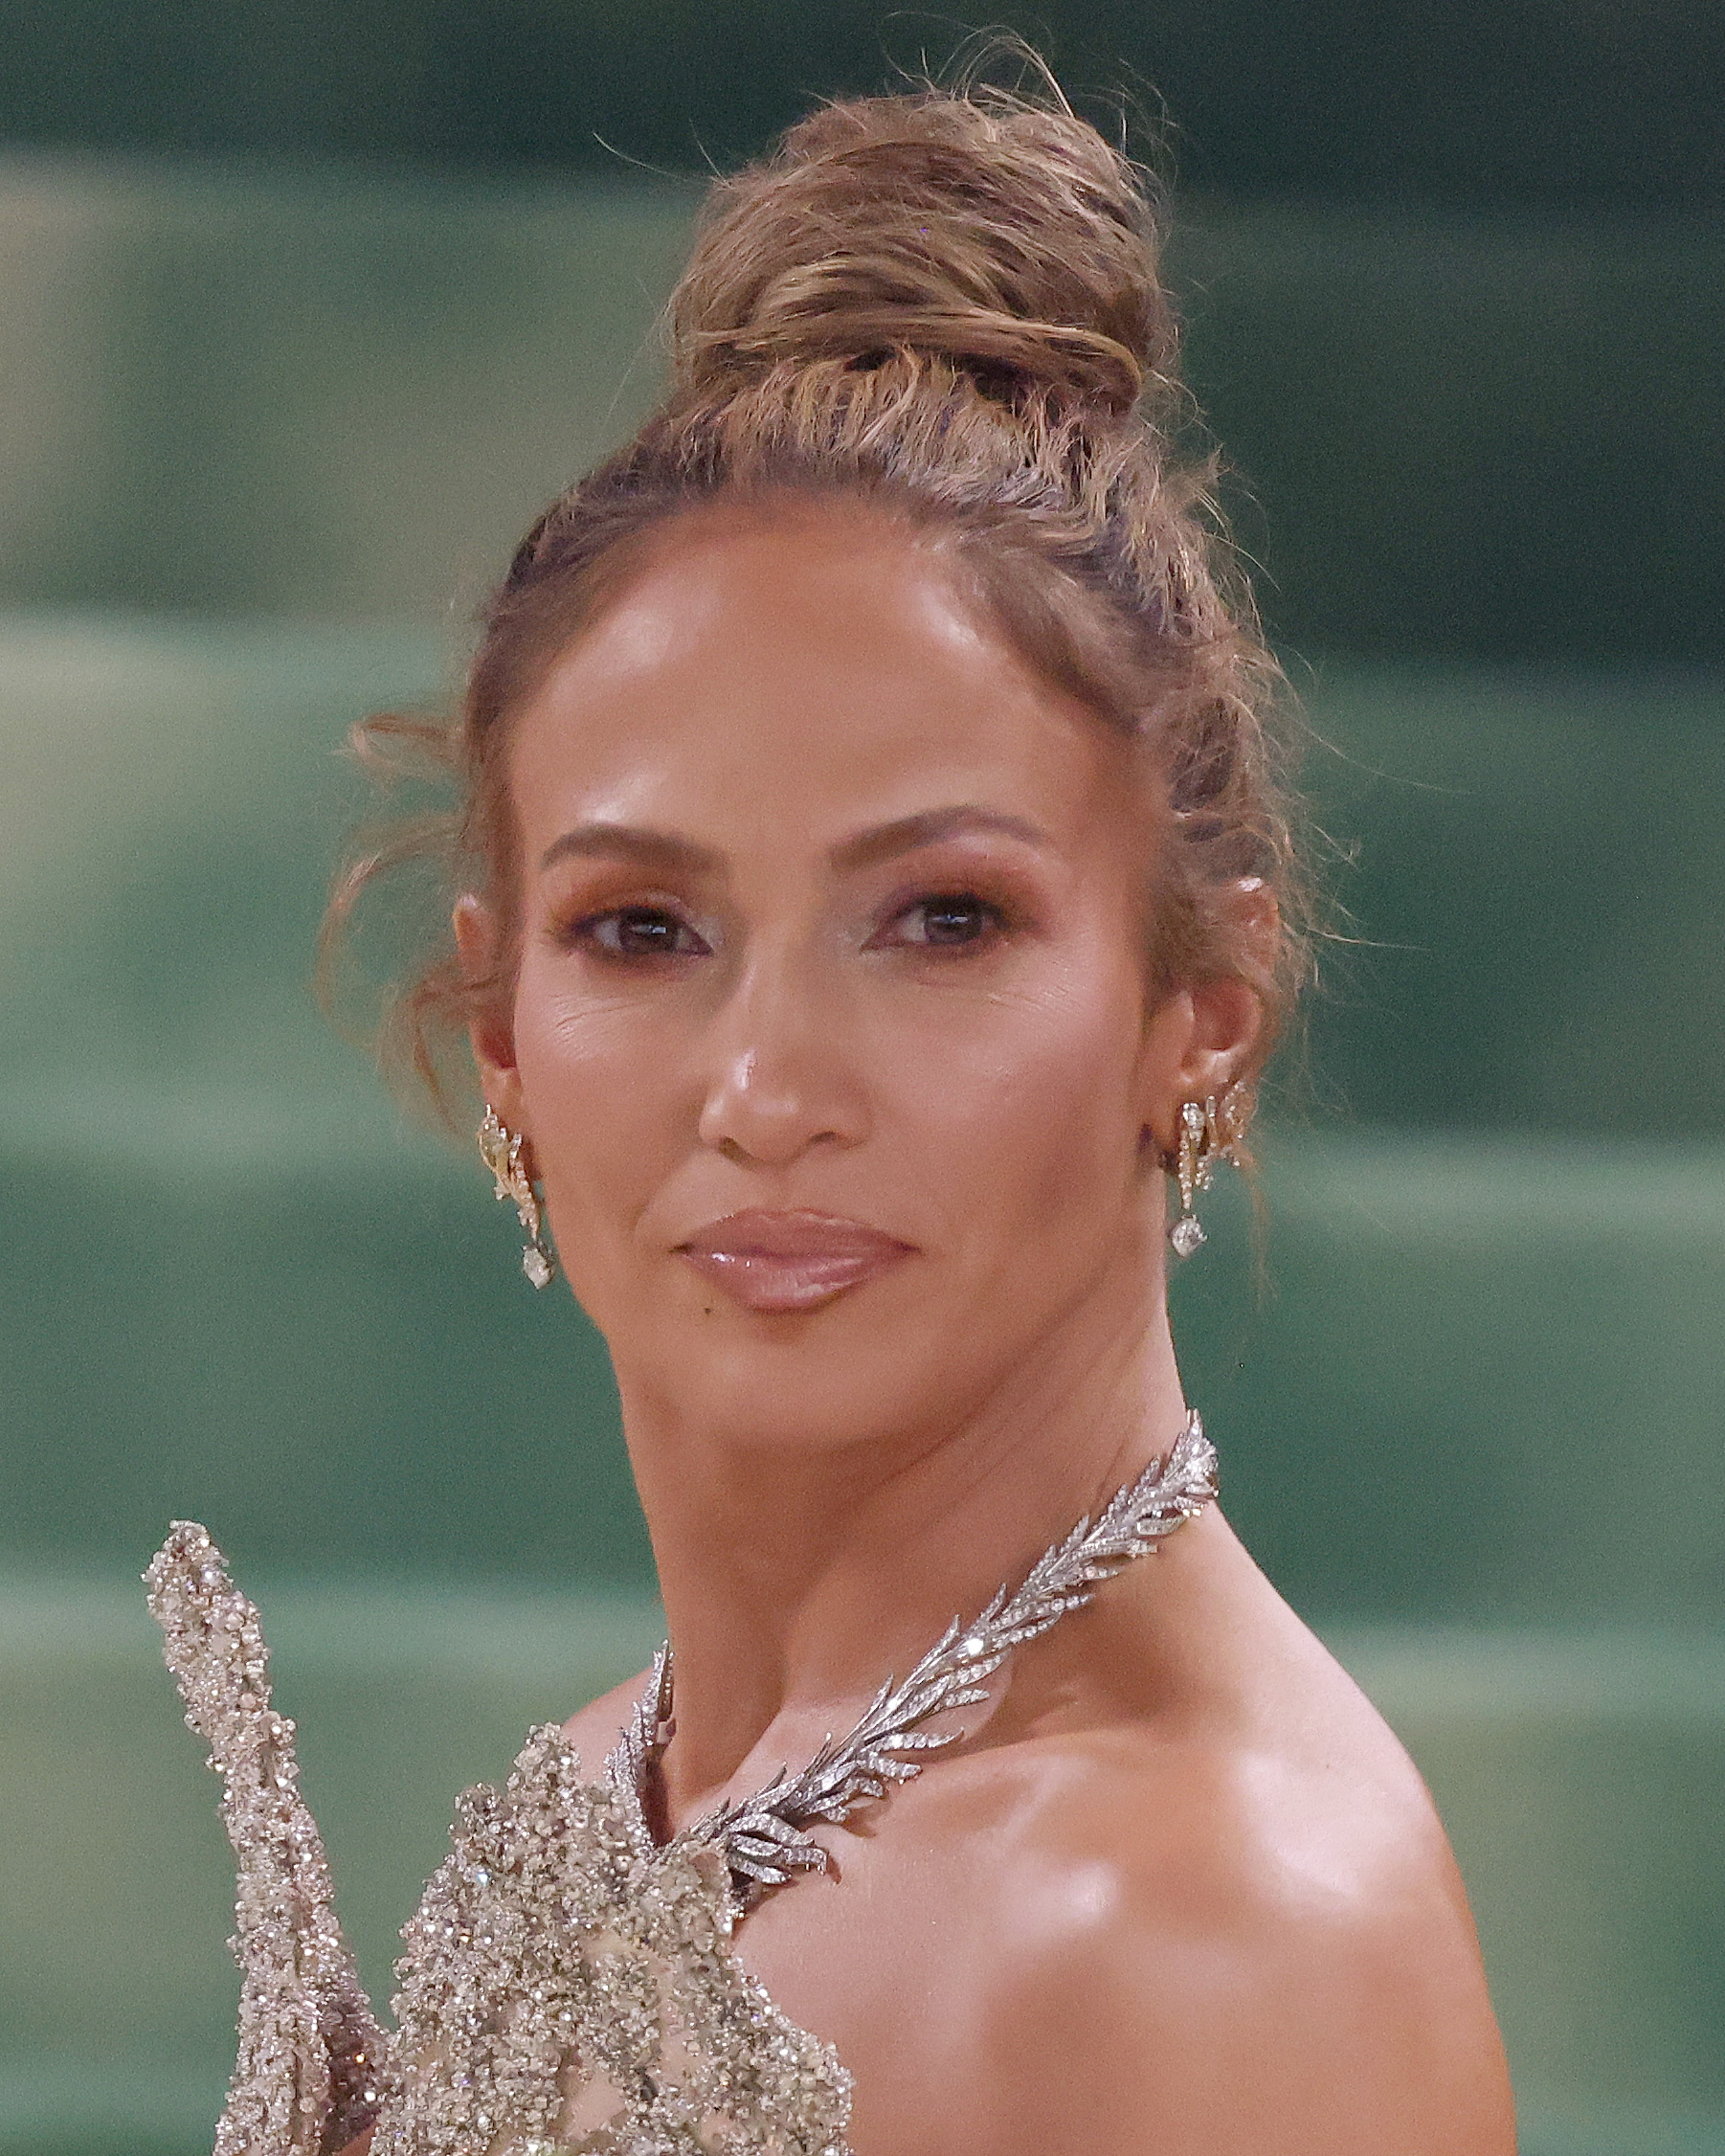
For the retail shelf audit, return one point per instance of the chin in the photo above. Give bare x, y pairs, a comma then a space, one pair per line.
797, 1385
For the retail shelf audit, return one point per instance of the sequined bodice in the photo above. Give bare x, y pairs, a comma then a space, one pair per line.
564, 1985
567, 1983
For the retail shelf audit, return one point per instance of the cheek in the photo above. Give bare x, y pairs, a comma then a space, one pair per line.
593, 1073
1028, 1116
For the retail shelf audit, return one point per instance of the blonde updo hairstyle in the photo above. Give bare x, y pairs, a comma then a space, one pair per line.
944, 304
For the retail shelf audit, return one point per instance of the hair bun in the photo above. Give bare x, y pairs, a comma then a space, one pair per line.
1008, 238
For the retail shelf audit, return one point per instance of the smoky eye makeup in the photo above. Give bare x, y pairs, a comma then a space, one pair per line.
959, 906
640, 932
945, 920
624, 924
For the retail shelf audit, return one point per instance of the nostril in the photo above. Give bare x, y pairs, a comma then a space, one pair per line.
769, 1102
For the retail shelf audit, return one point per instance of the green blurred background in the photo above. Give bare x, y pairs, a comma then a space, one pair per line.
304, 309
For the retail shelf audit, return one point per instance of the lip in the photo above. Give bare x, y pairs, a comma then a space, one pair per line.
793, 1261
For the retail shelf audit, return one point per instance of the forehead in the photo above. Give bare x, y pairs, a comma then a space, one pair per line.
802, 674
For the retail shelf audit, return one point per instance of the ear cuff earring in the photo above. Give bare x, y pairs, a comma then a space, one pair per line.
501, 1150
1210, 1131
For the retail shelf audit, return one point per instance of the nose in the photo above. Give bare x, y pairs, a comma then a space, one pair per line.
781, 1078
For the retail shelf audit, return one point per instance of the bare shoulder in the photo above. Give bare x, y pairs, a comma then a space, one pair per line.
594, 1729
1239, 1945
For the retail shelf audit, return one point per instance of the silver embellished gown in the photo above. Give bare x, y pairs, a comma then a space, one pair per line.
565, 1983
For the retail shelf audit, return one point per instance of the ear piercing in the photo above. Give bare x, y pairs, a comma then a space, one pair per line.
501, 1150
1210, 1131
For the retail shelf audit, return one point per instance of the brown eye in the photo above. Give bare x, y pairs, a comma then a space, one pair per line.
948, 919
642, 932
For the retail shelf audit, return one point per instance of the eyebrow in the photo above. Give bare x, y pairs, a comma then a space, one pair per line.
927, 829
885, 843
658, 848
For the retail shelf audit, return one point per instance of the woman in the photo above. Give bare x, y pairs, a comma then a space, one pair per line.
872, 876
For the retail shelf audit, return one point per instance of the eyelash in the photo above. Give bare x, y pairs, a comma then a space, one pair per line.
589, 931
994, 920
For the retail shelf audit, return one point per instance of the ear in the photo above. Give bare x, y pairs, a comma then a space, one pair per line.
477, 940
1206, 1033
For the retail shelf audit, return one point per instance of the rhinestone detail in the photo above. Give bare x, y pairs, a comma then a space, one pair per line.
764, 1838
561, 1993
1187, 1235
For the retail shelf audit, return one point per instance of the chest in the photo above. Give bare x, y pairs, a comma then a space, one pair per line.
899, 1956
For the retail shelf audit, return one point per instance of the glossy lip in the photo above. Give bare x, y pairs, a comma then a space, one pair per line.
777, 1261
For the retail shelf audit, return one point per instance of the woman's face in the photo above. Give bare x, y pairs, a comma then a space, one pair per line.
830, 1035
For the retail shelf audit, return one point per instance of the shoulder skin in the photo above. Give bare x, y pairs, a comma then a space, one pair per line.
1224, 1953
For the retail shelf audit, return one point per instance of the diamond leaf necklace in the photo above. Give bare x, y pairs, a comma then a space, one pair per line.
764, 1839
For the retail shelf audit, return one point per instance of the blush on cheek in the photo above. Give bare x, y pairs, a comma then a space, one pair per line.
1064, 1150
599, 1138
1084, 1167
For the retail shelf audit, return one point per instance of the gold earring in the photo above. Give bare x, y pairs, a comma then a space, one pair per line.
501, 1150
1210, 1131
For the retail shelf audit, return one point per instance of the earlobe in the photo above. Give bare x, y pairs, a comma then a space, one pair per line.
477, 938
1201, 1047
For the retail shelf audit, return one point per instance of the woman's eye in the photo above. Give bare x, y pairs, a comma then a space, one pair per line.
642, 932
948, 919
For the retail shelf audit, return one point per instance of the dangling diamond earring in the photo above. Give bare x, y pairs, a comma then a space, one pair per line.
1208, 1133
499, 1148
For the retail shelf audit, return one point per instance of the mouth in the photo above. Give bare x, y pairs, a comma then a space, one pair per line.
777, 1261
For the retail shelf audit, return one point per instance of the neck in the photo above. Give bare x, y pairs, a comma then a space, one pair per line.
796, 1583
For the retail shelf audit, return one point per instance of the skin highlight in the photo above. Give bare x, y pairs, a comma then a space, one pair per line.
835, 915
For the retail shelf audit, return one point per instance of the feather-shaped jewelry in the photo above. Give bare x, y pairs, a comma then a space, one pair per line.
764, 1838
